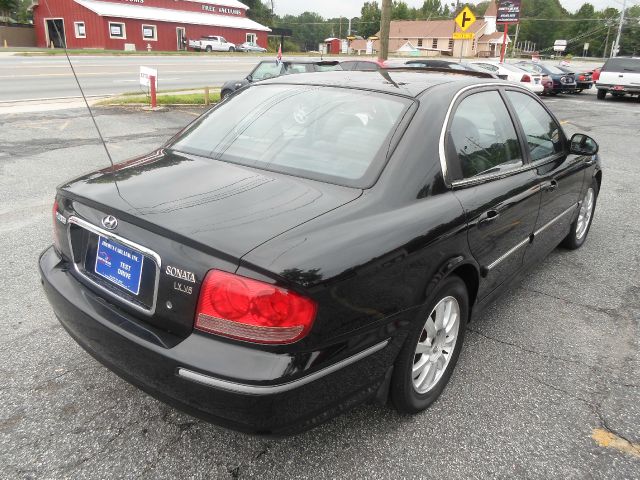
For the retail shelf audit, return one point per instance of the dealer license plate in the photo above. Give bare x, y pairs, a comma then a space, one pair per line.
119, 264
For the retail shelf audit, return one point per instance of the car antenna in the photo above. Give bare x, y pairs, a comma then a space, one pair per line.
66, 53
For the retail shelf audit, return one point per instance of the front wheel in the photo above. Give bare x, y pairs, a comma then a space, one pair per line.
601, 94
208, 49
232, 49
580, 227
431, 350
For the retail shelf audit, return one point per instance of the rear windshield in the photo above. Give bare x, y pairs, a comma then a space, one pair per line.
324, 133
622, 65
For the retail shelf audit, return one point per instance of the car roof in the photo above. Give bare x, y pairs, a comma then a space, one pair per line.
305, 62
408, 82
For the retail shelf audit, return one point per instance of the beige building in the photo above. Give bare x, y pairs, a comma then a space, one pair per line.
435, 37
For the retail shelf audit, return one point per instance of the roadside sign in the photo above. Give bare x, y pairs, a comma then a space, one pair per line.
463, 35
559, 45
508, 11
145, 74
344, 46
369, 47
465, 19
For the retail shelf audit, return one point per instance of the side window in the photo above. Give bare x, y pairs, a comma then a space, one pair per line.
543, 133
484, 137
267, 70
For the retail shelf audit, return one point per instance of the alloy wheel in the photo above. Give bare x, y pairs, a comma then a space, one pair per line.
436, 344
586, 211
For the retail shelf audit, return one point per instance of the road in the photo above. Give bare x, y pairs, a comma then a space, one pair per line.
31, 78
36, 78
551, 365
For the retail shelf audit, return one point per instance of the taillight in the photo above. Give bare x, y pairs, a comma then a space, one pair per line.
525, 78
250, 310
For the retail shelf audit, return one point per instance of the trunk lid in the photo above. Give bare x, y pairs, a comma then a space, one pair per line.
185, 215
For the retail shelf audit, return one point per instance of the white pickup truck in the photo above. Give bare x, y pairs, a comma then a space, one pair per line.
212, 43
619, 76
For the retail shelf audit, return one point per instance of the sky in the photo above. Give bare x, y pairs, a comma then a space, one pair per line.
351, 8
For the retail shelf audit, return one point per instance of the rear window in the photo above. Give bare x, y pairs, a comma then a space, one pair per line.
622, 65
324, 133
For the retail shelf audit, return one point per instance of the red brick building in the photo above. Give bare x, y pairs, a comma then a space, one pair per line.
165, 25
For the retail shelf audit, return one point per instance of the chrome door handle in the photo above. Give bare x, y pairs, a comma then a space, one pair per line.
551, 186
488, 216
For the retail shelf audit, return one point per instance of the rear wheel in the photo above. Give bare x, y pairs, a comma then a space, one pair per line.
601, 94
580, 227
431, 350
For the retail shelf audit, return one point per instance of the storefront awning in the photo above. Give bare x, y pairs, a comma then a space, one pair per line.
137, 12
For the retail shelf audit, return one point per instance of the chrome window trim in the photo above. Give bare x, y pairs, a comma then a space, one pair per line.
554, 220
153, 256
443, 135
509, 252
283, 387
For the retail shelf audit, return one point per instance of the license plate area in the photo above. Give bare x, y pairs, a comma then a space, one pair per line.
119, 264
138, 289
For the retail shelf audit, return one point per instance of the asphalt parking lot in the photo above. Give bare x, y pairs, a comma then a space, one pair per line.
548, 383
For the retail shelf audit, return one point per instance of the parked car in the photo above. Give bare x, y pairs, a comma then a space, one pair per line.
505, 71
362, 65
562, 82
271, 69
620, 76
250, 47
583, 79
446, 64
212, 43
316, 241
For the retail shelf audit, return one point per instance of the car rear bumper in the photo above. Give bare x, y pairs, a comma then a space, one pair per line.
630, 89
181, 373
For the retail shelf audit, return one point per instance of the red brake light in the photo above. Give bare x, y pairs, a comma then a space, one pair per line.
525, 78
246, 309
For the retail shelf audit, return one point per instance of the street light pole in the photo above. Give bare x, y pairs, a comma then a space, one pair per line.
616, 48
385, 26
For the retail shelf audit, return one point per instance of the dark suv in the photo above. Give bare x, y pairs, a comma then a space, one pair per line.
271, 69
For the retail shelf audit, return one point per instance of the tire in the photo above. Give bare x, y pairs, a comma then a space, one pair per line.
601, 94
232, 49
224, 94
407, 394
581, 226
208, 49
579, 91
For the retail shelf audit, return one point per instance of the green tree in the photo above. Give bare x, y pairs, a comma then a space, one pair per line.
8, 8
400, 11
369, 23
259, 12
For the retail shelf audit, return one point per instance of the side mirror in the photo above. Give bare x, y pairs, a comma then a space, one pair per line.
249, 78
581, 144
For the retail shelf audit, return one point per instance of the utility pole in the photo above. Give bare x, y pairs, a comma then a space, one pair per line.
385, 26
513, 45
616, 49
606, 42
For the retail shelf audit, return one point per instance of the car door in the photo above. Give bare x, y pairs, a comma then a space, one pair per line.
495, 186
559, 174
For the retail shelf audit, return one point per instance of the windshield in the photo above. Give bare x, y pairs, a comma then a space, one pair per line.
622, 65
323, 133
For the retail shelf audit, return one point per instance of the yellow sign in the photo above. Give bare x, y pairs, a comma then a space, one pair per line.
463, 35
465, 19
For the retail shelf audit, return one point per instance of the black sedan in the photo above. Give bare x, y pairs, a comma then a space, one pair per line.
316, 241
563, 82
583, 79
271, 69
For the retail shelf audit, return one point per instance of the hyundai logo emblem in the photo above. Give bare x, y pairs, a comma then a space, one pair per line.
109, 222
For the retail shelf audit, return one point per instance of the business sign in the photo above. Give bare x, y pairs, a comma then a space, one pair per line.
344, 46
559, 46
369, 47
465, 19
508, 11
145, 74
463, 35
